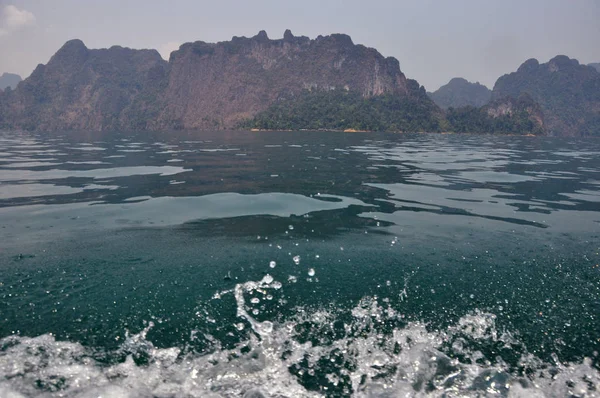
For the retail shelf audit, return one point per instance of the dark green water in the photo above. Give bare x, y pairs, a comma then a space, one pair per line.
298, 264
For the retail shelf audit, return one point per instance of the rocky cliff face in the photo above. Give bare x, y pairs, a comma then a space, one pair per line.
460, 92
508, 115
84, 89
203, 86
524, 107
219, 85
568, 93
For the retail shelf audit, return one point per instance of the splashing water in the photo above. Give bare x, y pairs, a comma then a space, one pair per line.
322, 352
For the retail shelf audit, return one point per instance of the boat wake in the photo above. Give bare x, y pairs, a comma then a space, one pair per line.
367, 351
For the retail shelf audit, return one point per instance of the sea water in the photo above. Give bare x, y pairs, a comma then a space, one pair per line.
238, 264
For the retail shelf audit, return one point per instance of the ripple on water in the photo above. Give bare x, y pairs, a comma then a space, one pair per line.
56, 174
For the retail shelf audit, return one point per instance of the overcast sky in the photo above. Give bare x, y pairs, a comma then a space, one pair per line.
434, 41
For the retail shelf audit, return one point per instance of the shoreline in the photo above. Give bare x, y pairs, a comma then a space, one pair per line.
255, 130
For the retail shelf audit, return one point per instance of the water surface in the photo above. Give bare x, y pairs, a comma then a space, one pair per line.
298, 264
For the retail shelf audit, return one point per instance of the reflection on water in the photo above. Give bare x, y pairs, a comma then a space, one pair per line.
501, 174
298, 264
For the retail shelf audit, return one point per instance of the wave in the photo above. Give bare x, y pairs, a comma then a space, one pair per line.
368, 351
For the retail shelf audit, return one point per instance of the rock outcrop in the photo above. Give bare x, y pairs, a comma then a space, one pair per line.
219, 85
508, 115
524, 107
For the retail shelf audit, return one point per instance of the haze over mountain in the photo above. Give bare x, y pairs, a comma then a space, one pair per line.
568, 93
9, 80
596, 66
460, 92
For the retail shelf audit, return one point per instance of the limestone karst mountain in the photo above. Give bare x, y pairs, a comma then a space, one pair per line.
460, 92
568, 93
203, 86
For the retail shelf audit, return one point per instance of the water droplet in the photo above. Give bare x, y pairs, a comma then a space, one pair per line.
267, 279
296, 260
272, 264
311, 272
255, 300
265, 327
388, 283
239, 326
255, 311
290, 227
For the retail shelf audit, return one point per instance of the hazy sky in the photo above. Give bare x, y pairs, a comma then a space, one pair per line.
434, 40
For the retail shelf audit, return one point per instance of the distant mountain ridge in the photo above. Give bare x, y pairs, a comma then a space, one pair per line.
9, 80
289, 83
568, 93
596, 66
460, 92
202, 86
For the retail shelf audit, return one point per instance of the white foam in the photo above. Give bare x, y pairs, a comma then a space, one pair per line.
365, 360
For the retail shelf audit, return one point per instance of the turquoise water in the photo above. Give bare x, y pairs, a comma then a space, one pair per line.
298, 265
